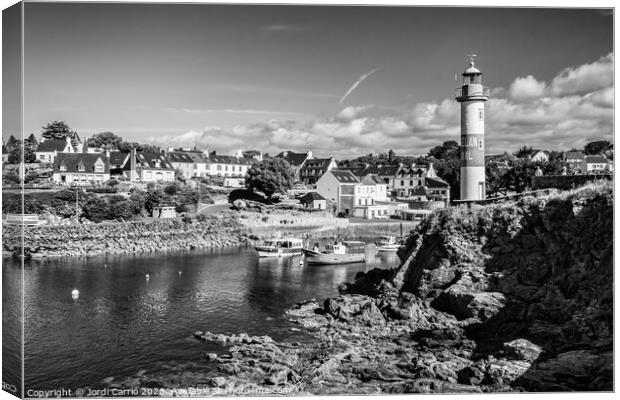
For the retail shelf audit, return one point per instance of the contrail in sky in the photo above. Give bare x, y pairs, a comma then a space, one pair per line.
356, 84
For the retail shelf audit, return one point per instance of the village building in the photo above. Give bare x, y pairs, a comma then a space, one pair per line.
48, 149
368, 195
574, 160
228, 166
80, 169
161, 212
148, 167
189, 163
338, 186
313, 201
296, 161
117, 160
540, 156
313, 169
597, 164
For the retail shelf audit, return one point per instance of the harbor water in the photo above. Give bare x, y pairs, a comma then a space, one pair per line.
137, 314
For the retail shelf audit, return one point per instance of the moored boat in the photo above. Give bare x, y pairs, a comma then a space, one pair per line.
340, 253
280, 247
387, 244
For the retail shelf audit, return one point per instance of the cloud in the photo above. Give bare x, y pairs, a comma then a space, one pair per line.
585, 78
577, 106
526, 88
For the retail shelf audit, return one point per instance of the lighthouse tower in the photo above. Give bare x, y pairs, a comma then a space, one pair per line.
472, 96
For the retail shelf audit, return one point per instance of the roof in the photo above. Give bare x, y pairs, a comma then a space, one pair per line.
117, 157
52, 145
344, 176
179, 157
381, 170
295, 159
150, 160
72, 160
371, 179
321, 163
436, 183
312, 196
596, 159
573, 155
230, 159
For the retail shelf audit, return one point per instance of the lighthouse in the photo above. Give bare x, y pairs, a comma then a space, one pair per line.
472, 96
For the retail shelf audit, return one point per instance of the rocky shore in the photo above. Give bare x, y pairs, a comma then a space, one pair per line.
125, 237
503, 297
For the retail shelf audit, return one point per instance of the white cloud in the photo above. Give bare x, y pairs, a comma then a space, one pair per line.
585, 78
526, 88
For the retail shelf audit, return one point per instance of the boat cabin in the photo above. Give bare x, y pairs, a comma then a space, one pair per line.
349, 247
285, 243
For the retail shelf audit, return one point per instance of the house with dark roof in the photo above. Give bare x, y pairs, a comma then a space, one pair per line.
117, 160
80, 169
313, 201
437, 189
48, 149
314, 168
296, 161
575, 161
143, 166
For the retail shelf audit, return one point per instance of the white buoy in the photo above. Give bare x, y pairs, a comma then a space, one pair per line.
180, 272
147, 276
301, 262
75, 294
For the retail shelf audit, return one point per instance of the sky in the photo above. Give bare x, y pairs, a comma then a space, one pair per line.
230, 77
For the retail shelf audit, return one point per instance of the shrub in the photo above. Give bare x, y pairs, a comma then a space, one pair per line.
171, 189
187, 219
246, 194
201, 218
112, 182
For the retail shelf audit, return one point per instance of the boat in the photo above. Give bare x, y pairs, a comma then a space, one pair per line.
338, 253
280, 247
387, 244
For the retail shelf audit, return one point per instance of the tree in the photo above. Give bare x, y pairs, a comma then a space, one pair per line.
270, 176
524, 152
446, 150
57, 130
105, 140
95, 210
15, 153
391, 156
597, 147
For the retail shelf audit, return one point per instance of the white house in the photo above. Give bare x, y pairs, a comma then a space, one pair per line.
80, 169
148, 167
48, 149
540, 155
228, 166
597, 163
338, 186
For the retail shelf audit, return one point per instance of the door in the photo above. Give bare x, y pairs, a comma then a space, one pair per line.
481, 194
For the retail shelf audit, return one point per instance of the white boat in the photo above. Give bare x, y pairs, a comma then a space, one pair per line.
387, 244
339, 253
280, 247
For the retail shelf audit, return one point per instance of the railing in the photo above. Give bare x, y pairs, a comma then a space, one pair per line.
466, 91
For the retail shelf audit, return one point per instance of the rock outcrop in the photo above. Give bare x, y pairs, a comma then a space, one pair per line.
505, 297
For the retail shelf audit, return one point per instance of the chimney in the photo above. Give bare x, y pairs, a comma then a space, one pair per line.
132, 165
309, 154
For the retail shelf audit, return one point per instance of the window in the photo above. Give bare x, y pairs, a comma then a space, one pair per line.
98, 168
402, 183
480, 144
411, 183
81, 167
63, 167
481, 114
42, 157
219, 167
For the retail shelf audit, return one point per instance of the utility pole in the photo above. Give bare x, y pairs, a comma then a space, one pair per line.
77, 205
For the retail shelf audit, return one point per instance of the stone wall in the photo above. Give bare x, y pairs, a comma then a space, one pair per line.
126, 237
